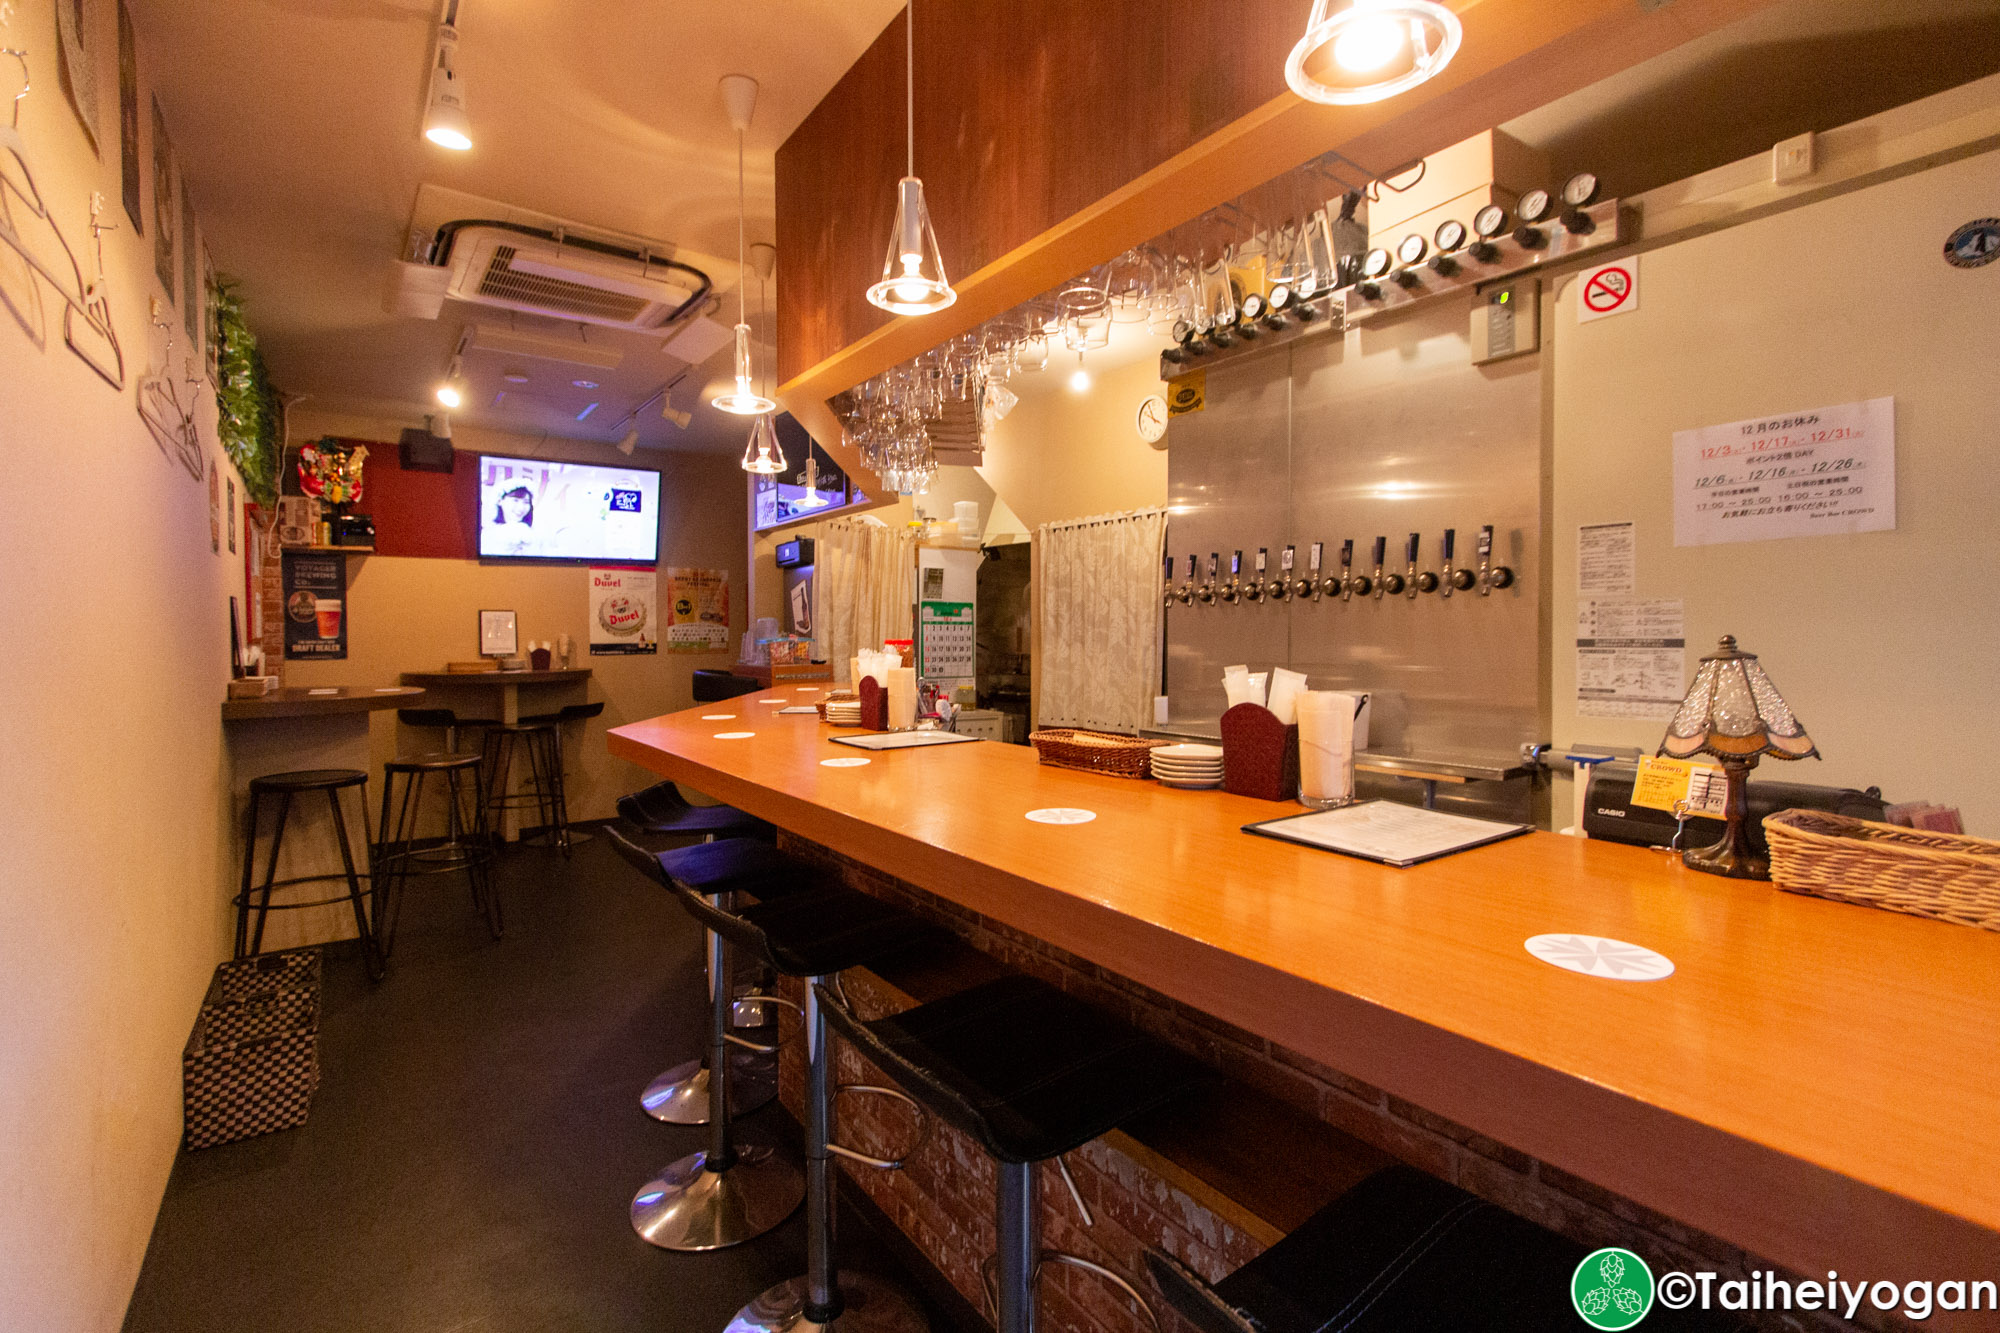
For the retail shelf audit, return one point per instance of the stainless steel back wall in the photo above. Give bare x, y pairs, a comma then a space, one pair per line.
1385, 429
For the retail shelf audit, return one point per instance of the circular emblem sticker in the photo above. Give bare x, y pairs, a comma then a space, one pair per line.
1062, 815
621, 615
856, 762
1597, 956
1974, 245
1612, 1289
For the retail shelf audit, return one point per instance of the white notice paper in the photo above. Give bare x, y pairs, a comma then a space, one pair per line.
1631, 658
1605, 560
1804, 474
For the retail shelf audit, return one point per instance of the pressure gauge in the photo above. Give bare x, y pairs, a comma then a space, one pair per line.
1183, 331
1305, 287
1411, 249
1375, 263
1489, 222
1253, 308
1534, 206
1580, 191
1450, 234
1281, 296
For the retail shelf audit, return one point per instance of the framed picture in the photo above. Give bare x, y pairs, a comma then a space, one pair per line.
128, 120
499, 634
191, 304
166, 218
76, 61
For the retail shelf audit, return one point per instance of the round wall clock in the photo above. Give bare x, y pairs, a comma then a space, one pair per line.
1151, 420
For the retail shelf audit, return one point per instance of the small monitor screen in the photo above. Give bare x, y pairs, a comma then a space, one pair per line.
533, 509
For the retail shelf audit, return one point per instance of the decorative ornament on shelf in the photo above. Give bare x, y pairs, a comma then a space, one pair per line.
331, 472
1733, 712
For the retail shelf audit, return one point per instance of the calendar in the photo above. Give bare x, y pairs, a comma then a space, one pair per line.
946, 648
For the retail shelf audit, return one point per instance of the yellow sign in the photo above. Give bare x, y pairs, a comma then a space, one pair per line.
1187, 393
1664, 783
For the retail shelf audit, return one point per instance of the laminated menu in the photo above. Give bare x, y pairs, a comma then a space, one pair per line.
1397, 835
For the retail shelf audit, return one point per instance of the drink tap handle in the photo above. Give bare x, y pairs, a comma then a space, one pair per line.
1410, 586
1206, 592
1447, 578
1167, 587
1491, 576
1346, 571
1253, 591
1229, 589
1381, 550
1311, 581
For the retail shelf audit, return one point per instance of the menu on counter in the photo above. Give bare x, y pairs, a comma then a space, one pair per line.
1800, 474
1397, 835
1631, 658
903, 740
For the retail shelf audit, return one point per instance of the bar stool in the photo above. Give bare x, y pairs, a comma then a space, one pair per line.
498, 748
562, 717
679, 1096
814, 933
465, 845
1401, 1250
283, 787
440, 719
1030, 1074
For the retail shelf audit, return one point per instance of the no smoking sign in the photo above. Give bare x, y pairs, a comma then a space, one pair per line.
1608, 289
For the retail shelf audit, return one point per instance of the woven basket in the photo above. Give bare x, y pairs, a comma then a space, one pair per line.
1945, 876
1096, 752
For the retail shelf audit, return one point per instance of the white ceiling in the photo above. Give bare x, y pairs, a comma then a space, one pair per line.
299, 120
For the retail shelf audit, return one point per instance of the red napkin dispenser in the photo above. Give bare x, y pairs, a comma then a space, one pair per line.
1260, 755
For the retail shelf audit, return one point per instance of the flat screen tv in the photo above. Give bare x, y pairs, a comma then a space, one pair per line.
536, 509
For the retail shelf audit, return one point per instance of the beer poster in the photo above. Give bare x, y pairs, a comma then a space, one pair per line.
315, 607
624, 612
697, 610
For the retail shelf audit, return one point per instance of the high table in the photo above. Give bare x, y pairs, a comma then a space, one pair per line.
1815, 1081
293, 729
499, 696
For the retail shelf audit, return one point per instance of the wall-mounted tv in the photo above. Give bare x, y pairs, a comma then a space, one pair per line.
537, 509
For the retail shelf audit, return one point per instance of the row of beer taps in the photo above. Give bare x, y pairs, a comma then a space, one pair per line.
1316, 582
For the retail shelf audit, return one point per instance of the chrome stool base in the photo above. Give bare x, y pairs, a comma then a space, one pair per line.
870, 1305
689, 1207
680, 1096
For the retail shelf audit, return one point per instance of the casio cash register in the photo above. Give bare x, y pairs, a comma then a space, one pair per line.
1610, 815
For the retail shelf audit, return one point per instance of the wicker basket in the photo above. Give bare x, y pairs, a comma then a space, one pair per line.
1096, 752
1946, 876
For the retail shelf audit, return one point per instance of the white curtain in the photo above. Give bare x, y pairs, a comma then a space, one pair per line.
1099, 589
864, 580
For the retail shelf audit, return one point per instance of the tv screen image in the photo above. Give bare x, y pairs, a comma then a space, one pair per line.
534, 509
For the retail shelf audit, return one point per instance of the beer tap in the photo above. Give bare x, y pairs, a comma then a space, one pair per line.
1279, 589
1385, 584
1424, 582
1253, 588
1185, 593
1231, 590
1167, 589
1205, 594
1344, 585
1462, 579
1309, 585
1491, 576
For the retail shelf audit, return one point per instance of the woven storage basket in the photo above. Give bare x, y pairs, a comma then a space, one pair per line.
1096, 752
1946, 876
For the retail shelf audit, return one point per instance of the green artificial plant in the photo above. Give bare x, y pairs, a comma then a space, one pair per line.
249, 414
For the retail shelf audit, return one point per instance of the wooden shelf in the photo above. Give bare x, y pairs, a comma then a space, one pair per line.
329, 550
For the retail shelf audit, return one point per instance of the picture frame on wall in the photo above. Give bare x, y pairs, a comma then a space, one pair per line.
166, 218
499, 634
77, 64
128, 121
192, 307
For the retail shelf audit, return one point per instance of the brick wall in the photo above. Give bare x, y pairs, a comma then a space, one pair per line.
943, 1199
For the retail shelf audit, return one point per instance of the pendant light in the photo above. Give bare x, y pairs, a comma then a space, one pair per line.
739, 94
913, 281
763, 454
1371, 49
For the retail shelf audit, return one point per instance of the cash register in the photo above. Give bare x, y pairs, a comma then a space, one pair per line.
1610, 815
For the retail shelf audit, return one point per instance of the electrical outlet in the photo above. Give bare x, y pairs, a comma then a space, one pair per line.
1792, 159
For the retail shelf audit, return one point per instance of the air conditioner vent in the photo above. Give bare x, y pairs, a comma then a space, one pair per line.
503, 282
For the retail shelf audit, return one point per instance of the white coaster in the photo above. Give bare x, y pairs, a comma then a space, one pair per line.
855, 762
770, 701
718, 717
734, 735
1062, 815
1596, 956
805, 689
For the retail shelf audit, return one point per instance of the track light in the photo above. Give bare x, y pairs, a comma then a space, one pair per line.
445, 122
682, 420
439, 425
451, 389
630, 442
1371, 49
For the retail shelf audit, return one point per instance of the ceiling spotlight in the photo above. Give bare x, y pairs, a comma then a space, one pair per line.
630, 442
450, 395
445, 123
439, 425
739, 96
913, 281
1371, 49
682, 420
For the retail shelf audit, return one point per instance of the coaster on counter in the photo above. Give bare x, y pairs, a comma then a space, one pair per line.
770, 701
734, 735
1597, 956
1062, 814
718, 717
856, 762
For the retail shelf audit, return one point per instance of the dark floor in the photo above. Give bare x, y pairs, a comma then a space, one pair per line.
477, 1138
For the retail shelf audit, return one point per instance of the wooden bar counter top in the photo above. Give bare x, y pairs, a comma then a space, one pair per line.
1816, 1082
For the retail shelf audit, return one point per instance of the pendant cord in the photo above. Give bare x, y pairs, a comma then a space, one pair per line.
910, 81
741, 207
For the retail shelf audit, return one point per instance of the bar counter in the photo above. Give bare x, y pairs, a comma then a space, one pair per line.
1815, 1082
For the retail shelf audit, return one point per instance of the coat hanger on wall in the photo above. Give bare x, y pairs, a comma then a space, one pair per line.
172, 422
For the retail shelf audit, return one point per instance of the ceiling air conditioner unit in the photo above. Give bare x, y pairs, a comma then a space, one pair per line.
494, 266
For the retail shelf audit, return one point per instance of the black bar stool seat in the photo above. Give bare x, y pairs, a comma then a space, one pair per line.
661, 809
440, 719
1401, 1250
249, 900
567, 713
308, 779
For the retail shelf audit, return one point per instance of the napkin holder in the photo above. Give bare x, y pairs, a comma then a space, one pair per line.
1260, 755
874, 704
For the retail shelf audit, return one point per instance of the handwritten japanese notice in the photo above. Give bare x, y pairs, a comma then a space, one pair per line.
1801, 474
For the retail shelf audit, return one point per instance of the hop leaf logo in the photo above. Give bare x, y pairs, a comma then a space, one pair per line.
1612, 1289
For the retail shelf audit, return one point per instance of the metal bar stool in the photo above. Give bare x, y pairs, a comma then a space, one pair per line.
1403, 1250
679, 1096
283, 787
440, 719
814, 933
1030, 1074
465, 845
559, 719
498, 748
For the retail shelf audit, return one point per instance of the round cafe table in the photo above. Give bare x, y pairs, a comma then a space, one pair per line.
474, 694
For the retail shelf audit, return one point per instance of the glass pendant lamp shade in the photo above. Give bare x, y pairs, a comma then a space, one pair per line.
744, 401
1733, 711
1367, 50
763, 455
913, 281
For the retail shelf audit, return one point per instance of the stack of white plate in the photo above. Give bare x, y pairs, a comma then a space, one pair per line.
844, 712
1190, 767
